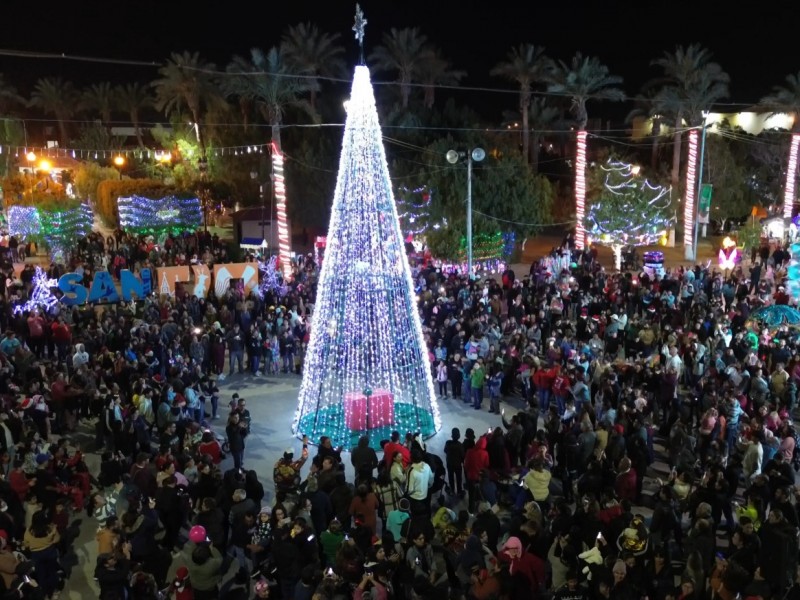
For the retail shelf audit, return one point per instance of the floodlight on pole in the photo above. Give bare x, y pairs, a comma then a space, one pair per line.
477, 155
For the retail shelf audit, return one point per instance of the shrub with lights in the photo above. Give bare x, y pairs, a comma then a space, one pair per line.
159, 217
367, 370
630, 211
56, 225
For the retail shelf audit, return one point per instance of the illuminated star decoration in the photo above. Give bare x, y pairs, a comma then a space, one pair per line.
41, 294
271, 279
358, 28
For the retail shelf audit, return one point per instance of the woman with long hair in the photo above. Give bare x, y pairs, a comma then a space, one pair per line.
42, 539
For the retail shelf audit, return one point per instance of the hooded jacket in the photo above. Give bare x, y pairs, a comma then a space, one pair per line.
476, 460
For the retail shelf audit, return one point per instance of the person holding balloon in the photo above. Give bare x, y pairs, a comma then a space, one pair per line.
203, 562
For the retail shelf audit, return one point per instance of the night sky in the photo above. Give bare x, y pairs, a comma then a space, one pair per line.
625, 35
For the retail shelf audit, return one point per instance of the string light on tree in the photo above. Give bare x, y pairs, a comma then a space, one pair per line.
366, 332
271, 279
691, 188
580, 191
42, 296
160, 217
284, 239
791, 177
630, 210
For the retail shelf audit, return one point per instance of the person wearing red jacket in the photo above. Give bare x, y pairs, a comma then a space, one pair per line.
543, 380
561, 388
625, 484
395, 446
521, 562
476, 460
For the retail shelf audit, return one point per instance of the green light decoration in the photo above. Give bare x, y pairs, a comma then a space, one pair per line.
630, 211
160, 217
485, 246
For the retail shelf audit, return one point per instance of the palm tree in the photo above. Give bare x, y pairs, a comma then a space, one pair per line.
786, 99
307, 50
8, 96
267, 82
403, 51
527, 65
436, 70
98, 98
681, 74
645, 107
56, 97
542, 118
133, 98
186, 80
584, 79
692, 84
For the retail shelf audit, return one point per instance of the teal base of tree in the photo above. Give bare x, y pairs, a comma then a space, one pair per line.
330, 421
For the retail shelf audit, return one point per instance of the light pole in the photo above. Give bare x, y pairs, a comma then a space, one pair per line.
476, 154
119, 161
699, 184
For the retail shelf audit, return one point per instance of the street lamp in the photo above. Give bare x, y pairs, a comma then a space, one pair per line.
453, 156
119, 161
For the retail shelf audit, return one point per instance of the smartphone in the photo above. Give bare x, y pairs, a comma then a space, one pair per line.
346, 538
599, 535
329, 572
310, 538
368, 573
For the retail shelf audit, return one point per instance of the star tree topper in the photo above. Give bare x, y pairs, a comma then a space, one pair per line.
358, 28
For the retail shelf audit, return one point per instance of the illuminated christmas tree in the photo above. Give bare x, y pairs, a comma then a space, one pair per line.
630, 211
366, 371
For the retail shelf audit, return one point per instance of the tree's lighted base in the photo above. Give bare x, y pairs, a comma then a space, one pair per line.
329, 421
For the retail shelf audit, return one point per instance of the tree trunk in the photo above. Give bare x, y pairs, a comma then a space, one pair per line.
617, 250
199, 131
535, 139
791, 177
675, 178
137, 129
690, 195
580, 189
656, 133
62, 130
524, 106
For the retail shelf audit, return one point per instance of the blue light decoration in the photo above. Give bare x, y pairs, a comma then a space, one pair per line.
271, 278
23, 221
57, 228
42, 296
630, 211
793, 272
168, 215
366, 332
413, 210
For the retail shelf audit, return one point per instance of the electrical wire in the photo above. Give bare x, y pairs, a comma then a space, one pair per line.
221, 73
520, 222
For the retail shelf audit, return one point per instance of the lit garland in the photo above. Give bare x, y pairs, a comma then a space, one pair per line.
162, 216
691, 185
791, 177
141, 154
580, 190
366, 332
415, 217
42, 296
630, 211
23, 221
271, 280
284, 236
60, 228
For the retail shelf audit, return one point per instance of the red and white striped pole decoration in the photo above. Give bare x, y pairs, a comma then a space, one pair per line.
284, 239
580, 191
791, 177
691, 189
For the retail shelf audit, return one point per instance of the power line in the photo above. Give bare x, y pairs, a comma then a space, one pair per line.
520, 222
222, 73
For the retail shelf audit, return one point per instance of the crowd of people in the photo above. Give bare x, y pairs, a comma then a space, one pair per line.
602, 371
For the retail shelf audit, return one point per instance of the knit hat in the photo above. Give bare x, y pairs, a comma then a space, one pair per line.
512, 543
25, 403
42, 458
182, 573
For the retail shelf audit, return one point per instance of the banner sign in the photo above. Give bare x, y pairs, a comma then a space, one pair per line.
168, 277
103, 288
247, 272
